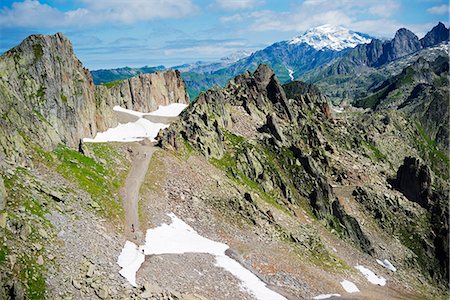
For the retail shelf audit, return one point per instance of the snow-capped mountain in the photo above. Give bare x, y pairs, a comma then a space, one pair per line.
331, 37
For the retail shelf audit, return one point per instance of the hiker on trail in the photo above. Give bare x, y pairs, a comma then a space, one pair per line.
132, 227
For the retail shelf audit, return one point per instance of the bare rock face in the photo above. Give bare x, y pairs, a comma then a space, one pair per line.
142, 93
147, 91
48, 97
46, 94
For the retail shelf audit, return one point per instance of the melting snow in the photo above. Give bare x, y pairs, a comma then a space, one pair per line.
325, 296
129, 132
387, 264
130, 259
349, 286
139, 129
371, 276
178, 238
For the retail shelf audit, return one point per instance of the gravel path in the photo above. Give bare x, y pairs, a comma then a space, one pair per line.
142, 154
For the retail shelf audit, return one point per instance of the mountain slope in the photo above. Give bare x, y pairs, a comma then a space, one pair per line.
289, 59
287, 145
421, 90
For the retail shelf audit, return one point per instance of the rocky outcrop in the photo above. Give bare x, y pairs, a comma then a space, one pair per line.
438, 34
141, 93
403, 43
48, 97
260, 134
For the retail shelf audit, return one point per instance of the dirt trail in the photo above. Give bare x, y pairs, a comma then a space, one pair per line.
142, 154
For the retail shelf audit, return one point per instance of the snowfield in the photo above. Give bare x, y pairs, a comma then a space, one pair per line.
139, 129
330, 37
178, 238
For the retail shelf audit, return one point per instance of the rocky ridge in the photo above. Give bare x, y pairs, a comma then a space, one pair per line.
50, 98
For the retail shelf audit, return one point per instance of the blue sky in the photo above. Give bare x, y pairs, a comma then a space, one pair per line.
116, 33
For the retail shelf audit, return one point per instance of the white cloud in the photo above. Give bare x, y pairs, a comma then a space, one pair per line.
236, 4
386, 9
33, 13
370, 16
439, 10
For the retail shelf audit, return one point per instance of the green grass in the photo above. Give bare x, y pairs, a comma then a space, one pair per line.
38, 52
40, 116
440, 162
63, 98
32, 274
112, 83
3, 254
93, 177
376, 153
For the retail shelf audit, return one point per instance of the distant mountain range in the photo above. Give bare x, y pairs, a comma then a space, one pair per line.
374, 62
321, 55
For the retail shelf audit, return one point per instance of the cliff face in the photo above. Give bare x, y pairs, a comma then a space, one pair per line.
141, 93
49, 98
46, 95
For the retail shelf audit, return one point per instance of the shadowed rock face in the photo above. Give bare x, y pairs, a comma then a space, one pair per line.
414, 181
49, 98
404, 42
438, 34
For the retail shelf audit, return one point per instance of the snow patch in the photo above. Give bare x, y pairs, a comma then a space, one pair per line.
349, 286
139, 129
129, 132
387, 264
330, 37
325, 296
130, 259
171, 110
371, 276
178, 238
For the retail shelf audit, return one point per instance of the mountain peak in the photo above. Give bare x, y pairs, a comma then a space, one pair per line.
331, 37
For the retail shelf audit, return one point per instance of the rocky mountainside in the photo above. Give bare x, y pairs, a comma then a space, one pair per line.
373, 62
50, 98
285, 143
307, 197
421, 90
